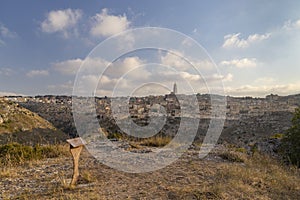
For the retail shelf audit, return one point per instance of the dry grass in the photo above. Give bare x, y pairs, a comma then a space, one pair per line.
257, 177
233, 156
8, 172
14, 154
260, 177
157, 141
87, 176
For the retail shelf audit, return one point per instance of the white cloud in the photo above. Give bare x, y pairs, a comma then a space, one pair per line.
9, 94
61, 21
234, 40
94, 68
127, 65
71, 67
257, 37
265, 80
174, 59
6, 71
2, 42
126, 42
34, 73
129, 73
108, 25
263, 90
291, 25
6, 33
220, 77
68, 67
177, 60
240, 63
188, 42
190, 77
171, 76
64, 88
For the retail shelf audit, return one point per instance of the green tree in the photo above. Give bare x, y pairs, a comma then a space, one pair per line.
291, 141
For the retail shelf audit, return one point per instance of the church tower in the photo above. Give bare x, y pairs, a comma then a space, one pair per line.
175, 88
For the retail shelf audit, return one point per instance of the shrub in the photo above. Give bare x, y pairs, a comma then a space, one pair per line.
241, 150
15, 153
277, 136
233, 156
290, 147
158, 141
117, 136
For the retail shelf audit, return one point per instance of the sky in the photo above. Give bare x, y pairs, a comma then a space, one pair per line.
254, 46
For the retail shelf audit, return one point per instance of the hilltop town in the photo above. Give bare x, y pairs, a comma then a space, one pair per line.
237, 107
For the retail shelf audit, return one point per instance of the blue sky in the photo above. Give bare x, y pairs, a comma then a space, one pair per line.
255, 44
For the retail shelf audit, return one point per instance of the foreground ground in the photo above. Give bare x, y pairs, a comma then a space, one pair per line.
222, 175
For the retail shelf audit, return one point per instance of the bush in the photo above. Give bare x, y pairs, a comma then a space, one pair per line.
233, 156
157, 141
117, 136
277, 136
15, 153
241, 150
290, 146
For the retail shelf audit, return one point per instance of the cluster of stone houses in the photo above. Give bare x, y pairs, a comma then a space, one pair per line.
171, 104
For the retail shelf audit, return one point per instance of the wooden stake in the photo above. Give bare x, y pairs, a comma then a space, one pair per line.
76, 154
76, 146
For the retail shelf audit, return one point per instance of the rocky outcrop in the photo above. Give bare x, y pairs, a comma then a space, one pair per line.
269, 146
252, 129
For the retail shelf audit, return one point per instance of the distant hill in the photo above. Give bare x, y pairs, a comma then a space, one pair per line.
18, 124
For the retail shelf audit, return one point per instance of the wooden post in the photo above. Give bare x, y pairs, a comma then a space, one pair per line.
76, 146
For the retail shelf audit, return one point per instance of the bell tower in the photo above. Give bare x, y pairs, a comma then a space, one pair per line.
175, 88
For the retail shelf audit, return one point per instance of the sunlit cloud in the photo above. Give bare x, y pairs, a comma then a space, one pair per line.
34, 73
235, 41
240, 63
61, 21
104, 24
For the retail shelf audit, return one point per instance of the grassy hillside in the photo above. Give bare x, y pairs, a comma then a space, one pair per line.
14, 118
21, 125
